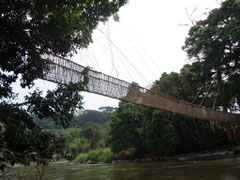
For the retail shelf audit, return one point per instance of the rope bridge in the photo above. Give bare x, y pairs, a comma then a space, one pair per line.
64, 71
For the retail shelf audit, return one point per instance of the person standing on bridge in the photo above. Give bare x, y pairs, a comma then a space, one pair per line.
85, 73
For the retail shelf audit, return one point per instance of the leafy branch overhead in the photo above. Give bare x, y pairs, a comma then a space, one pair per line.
59, 104
29, 30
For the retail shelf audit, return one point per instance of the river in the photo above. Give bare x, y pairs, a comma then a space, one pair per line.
224, 169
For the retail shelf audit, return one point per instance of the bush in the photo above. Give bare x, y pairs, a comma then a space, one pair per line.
107, 157
82, 158
127, 154
94, 155
99, 155
80, 145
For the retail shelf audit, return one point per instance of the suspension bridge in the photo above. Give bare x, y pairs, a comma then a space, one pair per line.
63, 70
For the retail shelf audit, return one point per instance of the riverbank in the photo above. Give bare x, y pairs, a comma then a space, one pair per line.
201, 156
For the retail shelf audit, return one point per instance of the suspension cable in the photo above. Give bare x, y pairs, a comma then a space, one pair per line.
125, 57
151, 59
146, 64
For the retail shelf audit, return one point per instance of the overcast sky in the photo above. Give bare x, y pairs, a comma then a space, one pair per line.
145, 43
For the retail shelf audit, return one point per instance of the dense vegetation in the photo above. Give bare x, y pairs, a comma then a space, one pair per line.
87, 132
150, 131
211, 79
213, 46
30, 29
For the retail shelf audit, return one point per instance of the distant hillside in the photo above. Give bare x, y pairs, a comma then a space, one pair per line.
83, 116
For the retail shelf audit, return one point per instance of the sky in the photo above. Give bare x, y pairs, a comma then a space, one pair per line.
146, 42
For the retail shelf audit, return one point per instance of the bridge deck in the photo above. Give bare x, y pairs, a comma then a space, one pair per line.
64, 71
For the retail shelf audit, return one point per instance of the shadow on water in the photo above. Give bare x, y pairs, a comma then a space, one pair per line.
224, 169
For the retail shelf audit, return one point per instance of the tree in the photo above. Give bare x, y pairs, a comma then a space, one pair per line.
91, 132
198, 89
125, 128
45, 123
215, 43
154, 131
186, 134
169, 84
160, 135
30, 29
90, 116
21, 140
107, 110
79, 145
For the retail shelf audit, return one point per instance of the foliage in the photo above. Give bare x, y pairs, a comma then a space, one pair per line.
59, 104
45, 123
214, 43
94, 155
91, 116
30, 29
107, 157
22, 141
92, 133
184, 134
129, 153
98, 117
169, 84
158, 137
153, 131
125, 127
82, 158
80, 140
98, 155
68, 133
107, 110
79, 145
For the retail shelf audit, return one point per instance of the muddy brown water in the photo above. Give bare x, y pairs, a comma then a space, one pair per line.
223, 169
